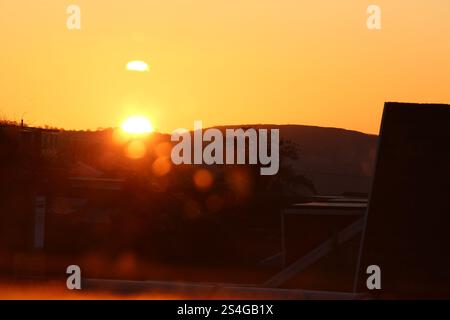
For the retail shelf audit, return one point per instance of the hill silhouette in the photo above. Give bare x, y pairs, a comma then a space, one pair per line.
336, 160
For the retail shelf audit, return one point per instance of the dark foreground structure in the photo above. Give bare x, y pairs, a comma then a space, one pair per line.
408, 221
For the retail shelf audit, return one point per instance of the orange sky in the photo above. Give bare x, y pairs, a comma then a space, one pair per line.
220, 61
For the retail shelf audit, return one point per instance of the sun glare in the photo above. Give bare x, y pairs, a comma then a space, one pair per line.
137, 125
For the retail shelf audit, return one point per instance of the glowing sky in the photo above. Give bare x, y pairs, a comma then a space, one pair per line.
220, 61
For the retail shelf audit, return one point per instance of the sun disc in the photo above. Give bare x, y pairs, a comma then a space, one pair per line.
137, 125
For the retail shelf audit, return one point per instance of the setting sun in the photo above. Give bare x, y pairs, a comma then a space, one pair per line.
137, 125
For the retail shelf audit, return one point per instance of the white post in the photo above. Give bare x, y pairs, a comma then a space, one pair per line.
39, 222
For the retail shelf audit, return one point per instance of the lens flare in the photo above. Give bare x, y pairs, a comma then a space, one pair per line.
139, 66
135, 150
203, 179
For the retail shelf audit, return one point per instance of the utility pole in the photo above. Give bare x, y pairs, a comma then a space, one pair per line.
21, 120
